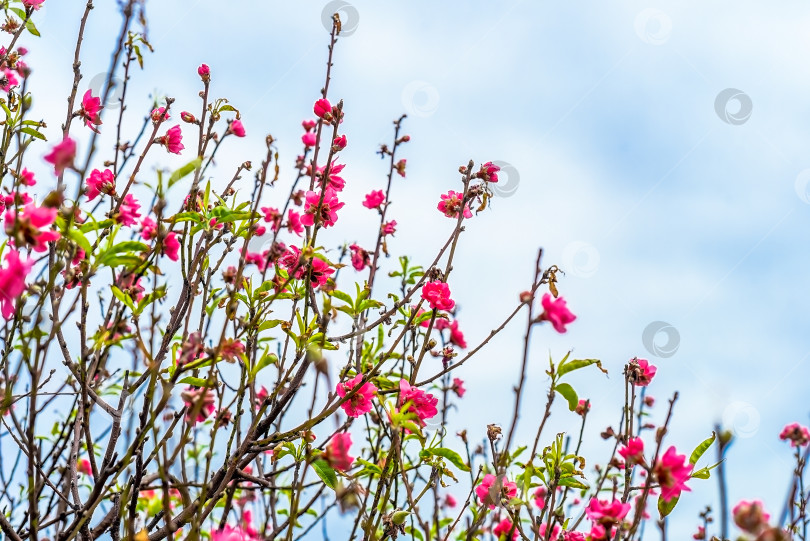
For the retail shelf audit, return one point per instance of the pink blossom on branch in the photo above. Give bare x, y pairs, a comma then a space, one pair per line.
556, 312
672, 471
326, 214
502, 529
796, 434
173, 140
33, 4
28, 227
437, 295
750, 516
360, 403
171, 246
323, 109
90, 108
492, 489
27, 178
337, 452
374, 199
12, 281
633, 452
128, 212
237, 128
605, 512
417, 401
641, 372
451, 203
62, 155
100, 182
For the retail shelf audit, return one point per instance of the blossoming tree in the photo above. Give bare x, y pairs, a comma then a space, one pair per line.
236, 380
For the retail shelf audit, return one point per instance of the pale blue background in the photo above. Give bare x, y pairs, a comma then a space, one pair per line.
607, 112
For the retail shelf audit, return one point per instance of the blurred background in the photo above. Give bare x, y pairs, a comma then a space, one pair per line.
657, 151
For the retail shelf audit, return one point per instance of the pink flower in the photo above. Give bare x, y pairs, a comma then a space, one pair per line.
34, 4
449, 501
573, 536
503, 528
200, 400
337, 452
90, 109
231, 533
389, 228
797, 434
231, 350
539, 497
309, 125
272, 216
492, 489
326, 213
437, 295
672, 471
417, 401
750, 516
360, 403
159, 113
294, 222
9, 80
458, 387
556, 311
128, 212
27, 178
451, 203
606, 513
26, 227
204, 72
173, 140
582, 406
309, 139
148, 228
701, 533
12, 281
488, 172
374, 199
323, 109
83, 467
641, 372
555, 531
237, 128
633, 452
295, 265
456, 336
171, 246
62, 155
100, 182
185, 116
335, 182
339, 143
360, 258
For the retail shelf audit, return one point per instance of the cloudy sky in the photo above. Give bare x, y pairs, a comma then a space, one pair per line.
658, 152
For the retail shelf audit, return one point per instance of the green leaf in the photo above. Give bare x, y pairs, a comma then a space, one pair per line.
115, 253
345, 297
325, 472
700, 449
184, 171
197, 382
29, 25
576, 364
266, 360
449, 454
123, 297
77, 237
572, 482
666, 508
33, 133
569, 394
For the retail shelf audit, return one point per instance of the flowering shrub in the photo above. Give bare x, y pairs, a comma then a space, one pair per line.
183, 358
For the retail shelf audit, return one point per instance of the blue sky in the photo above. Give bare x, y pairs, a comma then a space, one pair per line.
628, 178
